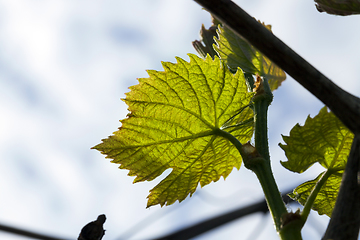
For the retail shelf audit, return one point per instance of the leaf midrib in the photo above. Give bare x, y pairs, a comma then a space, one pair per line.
181, 139
209, 125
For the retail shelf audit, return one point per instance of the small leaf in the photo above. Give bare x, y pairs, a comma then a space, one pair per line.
205, 45
238, 53
325, 140
338, 7
174, 122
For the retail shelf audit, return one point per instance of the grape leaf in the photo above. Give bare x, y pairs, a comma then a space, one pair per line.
237, 52
175, 120
325, 140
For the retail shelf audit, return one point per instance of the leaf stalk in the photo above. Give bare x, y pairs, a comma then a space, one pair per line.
311, 199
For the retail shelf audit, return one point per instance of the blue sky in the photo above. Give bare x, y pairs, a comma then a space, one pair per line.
64, 65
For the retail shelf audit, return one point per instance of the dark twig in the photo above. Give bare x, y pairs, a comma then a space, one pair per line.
218, 221
344, 105
28, 234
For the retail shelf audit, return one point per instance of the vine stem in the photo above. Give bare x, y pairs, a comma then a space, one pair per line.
261, 101
257, 159
272, 195
261, 167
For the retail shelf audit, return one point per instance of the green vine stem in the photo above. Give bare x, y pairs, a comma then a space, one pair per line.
277, 208
257, 159
262, 99
261, 167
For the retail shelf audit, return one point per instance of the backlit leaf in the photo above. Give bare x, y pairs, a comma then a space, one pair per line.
175, 120
324, 140
238, 53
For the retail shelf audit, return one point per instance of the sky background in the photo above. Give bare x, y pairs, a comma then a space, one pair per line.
64, 65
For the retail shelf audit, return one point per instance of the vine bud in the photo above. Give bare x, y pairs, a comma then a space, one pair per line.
250, 155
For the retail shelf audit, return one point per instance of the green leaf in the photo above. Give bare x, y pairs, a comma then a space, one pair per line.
324, 140
238, 53
338, 7
177, 119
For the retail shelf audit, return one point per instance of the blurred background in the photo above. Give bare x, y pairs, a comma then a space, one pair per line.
65, 65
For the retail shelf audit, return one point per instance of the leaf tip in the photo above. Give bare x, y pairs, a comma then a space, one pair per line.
98, 147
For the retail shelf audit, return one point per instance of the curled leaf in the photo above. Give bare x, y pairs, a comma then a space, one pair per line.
338, 7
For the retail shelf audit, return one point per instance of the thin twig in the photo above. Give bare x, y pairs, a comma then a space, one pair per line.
28, 234
207, 225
